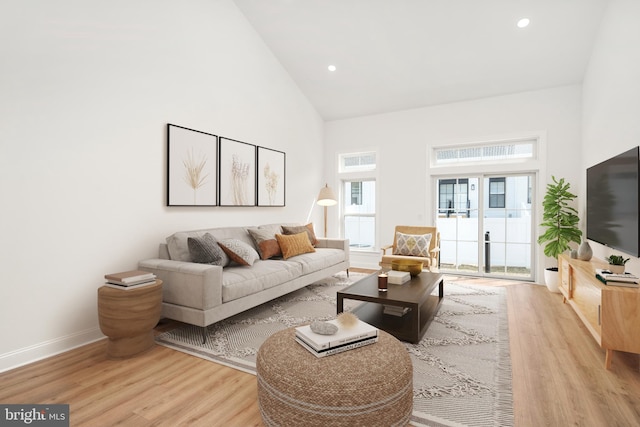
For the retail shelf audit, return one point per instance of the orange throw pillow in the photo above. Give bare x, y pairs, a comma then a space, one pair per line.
294, 244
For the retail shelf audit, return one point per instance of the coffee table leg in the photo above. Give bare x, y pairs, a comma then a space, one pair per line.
339, 304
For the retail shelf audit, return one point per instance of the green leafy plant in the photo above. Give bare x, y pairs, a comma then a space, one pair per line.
559, 218
616, 260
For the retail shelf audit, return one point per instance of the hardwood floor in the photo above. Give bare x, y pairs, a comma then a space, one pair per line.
558, 377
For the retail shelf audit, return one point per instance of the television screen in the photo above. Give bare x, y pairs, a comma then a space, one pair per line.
613, 202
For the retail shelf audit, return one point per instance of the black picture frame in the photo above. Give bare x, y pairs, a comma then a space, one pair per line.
192, 161
272, 176
236, 173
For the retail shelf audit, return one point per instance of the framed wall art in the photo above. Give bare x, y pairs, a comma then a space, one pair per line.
191, 167
237, 173
271, 177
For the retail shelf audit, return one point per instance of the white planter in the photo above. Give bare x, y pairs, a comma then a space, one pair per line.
616, 269
552, 279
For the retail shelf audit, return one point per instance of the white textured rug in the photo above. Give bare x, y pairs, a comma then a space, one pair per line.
462, 366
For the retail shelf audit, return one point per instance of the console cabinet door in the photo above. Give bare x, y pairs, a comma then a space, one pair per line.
621, 319
588, 299
566, 272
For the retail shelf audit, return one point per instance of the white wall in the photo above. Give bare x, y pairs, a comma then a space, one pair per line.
402, 140
611, 108
87, 88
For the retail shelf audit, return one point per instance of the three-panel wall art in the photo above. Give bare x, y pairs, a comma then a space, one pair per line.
204, 169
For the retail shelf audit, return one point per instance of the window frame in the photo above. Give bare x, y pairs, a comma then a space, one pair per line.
369, 172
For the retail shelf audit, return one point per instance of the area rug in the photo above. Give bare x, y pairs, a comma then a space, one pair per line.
462, 366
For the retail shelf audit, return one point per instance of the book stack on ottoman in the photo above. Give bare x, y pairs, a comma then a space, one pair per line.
344, 339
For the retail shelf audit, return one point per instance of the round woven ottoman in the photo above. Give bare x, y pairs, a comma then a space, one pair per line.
368, 386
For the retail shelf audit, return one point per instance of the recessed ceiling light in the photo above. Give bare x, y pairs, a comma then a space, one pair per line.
523, 22
332, 67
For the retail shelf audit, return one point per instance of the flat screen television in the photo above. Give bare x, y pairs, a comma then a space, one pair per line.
613, 202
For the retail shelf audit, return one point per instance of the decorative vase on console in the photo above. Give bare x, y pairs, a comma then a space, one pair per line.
584, 251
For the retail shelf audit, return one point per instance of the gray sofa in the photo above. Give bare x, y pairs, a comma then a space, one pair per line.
202, 294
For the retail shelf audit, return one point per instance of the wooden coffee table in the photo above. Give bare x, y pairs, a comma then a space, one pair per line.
415, 295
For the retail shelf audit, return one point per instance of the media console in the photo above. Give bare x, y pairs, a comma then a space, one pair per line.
610, 313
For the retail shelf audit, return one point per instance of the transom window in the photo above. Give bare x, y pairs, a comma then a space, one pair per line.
513, 150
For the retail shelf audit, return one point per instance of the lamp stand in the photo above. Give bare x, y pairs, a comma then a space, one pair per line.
325, 222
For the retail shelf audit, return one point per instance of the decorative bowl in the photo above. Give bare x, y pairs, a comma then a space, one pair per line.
413, 267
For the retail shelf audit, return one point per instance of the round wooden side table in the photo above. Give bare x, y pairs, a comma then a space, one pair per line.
127, 318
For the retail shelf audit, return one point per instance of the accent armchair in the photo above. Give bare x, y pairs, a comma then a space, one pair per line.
410, 242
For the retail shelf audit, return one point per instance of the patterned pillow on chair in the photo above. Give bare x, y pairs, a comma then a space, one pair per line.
412, 244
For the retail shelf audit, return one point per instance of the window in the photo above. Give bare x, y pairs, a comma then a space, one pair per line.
356, 193
453, 196
497, 192
357, 162
515, 150
358, 199
359, 213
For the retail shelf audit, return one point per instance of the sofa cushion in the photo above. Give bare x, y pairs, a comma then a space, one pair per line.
286, 229
320, 259
205, 250
266, 243
239, 251
238, 282
412, 244
295, 244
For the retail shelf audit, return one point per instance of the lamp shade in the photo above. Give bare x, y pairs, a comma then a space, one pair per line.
326, 196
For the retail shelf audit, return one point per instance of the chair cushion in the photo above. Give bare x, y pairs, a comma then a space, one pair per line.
412, 244
295, 244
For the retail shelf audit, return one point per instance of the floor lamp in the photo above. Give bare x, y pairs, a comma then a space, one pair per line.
326, 198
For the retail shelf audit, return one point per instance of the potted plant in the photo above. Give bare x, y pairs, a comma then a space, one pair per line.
561, 222
616, 263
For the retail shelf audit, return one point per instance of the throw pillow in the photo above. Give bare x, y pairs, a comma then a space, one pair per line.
412, 244
294, 244
266, 242
205, 250
239, 251
299, 229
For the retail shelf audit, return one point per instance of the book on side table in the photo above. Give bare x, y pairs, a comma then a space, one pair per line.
345, 339
128, 280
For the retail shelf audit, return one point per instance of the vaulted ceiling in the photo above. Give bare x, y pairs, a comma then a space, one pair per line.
399, 54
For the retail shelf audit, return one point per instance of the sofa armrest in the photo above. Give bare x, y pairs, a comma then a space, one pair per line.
333, 243
187, 283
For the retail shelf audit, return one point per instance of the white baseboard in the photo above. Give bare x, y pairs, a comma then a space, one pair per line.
43, 350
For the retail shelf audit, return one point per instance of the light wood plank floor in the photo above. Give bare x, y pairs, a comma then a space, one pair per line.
558, 378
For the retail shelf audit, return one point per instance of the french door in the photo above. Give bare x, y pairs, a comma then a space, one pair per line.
485, 224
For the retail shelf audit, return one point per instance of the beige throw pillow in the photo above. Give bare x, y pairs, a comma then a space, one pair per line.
239, 251
412, 244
